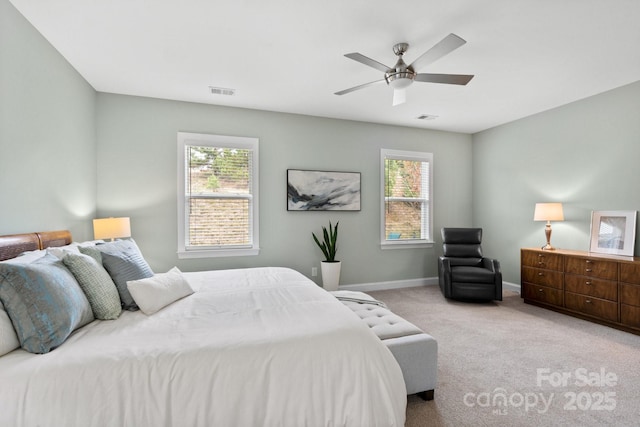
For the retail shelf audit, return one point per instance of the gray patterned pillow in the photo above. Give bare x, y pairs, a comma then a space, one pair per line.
92, 252
124, 262
96, 285
44, 302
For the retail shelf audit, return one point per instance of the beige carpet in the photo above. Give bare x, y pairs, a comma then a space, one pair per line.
503, 363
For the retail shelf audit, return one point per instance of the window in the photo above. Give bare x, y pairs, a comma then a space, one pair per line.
407, 204
217, 195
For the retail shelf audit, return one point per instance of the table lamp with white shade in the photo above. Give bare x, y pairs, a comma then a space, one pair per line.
111, 228
548, 212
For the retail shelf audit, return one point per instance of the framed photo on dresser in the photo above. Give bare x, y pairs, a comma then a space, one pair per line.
613, 232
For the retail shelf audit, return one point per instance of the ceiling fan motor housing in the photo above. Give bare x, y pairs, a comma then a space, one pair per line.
401, 76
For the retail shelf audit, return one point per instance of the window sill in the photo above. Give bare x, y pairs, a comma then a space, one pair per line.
217, 253
406, 245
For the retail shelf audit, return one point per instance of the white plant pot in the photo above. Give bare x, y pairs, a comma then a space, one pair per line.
330, 275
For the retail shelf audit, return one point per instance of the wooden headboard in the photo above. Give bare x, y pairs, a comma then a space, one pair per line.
14, 244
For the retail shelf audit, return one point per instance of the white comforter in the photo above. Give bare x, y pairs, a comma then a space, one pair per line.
251, 347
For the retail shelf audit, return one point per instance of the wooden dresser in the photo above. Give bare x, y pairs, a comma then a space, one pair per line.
601, 288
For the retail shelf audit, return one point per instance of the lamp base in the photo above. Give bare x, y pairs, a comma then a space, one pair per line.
547, 233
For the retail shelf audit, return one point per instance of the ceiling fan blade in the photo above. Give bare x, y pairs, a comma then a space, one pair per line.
443, 47
367, 61
399, 96
452, 79
343, 92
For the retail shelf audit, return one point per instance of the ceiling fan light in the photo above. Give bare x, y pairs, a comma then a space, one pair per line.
399, 80
400, 83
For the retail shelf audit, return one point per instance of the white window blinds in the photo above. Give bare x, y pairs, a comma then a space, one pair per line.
407, 204
219, 198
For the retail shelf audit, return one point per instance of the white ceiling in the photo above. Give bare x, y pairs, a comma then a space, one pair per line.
287, 55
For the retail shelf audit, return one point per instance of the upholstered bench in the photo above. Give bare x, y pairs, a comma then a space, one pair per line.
415, 351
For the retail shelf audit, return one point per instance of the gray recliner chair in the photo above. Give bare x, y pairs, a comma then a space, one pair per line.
463, 272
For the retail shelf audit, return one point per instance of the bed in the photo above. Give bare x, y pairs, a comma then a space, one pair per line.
248, 347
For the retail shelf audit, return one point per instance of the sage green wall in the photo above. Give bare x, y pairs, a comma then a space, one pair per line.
47, 135
583, 154
137, 177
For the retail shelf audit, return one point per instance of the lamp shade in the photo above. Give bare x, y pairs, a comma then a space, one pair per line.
548, 212
111, 228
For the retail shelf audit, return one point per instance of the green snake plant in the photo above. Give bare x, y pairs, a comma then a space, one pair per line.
329, 244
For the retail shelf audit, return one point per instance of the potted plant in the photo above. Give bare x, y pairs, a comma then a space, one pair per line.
330, 267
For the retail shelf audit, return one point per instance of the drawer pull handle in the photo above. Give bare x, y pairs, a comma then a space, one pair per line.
589, 261
588, 301
540, 274
588, 270
540, 263
540, 256
587, 283
540, 290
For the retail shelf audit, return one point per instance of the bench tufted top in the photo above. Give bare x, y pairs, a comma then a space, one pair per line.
382, 321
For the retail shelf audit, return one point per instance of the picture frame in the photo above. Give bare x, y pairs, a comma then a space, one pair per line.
314, 190
613, 232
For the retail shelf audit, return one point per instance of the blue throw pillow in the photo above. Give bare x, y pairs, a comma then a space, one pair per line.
44, 302
124, 261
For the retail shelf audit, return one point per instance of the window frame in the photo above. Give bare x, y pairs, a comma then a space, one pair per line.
419, 156
197, 139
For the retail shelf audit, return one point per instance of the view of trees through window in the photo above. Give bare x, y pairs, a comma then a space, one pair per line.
406, 191
219, 193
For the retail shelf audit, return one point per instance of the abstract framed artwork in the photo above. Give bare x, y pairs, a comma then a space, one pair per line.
311, 190
613, 232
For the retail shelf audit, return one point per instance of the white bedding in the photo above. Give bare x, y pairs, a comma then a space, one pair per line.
251, 347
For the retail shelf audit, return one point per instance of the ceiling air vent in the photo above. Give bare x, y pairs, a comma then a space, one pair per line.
427, 117
222, 91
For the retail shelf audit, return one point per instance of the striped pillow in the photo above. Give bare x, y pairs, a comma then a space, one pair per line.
124, 262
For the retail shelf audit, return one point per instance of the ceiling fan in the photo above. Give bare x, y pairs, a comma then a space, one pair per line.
401, 75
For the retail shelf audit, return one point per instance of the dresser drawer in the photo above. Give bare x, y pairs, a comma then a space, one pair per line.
539, 276
630, 294
588, 286
539, 259
597, 307
630, 273
592, 267
543, 294
630, 315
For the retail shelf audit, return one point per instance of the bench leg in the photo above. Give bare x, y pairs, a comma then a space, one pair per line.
427, 395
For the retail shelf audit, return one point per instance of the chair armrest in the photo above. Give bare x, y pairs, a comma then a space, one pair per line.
494, 265
444, 275
444, 263
491, 264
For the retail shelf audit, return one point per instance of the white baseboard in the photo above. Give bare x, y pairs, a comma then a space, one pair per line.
409, 283
514, 287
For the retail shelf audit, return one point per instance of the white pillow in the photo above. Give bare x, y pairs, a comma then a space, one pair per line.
153, 293
73, 247
61, 251
27, 257
8, 338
